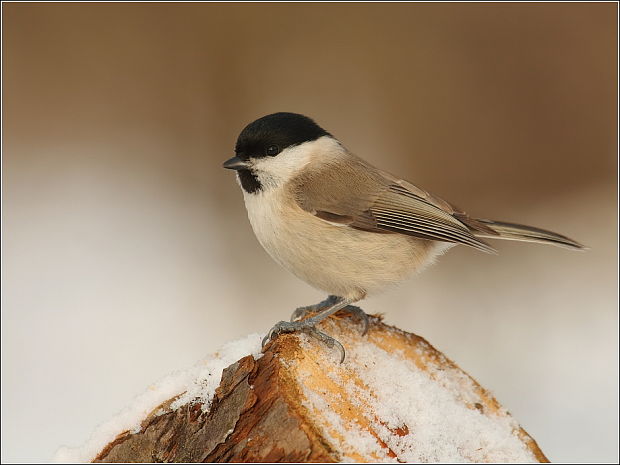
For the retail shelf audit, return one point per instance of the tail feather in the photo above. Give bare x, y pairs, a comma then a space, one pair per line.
520, 232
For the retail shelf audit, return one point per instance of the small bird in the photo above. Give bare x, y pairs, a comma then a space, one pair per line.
342, 225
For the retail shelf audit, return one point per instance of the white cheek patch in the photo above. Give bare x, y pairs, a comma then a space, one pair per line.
286, 164
275, 171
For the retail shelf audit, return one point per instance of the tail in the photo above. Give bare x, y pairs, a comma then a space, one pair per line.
519, 232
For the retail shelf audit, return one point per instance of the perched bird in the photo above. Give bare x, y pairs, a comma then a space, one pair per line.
342, 225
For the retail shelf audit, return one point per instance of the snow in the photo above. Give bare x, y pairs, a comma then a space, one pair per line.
198, 382
430, 405
407, 404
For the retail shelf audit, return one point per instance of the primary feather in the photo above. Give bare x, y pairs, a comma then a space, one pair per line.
351, 192
521, 232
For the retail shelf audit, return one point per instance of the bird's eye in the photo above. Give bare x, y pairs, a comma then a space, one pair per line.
272, 150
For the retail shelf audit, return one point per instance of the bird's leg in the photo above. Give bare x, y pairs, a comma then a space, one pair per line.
308, 326
301, 312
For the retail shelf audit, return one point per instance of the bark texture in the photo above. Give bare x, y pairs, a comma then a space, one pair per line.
261, 413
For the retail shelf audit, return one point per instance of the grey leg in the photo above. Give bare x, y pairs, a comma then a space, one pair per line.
308, 326
301, 312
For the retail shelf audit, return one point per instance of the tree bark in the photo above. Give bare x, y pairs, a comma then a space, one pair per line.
261, 411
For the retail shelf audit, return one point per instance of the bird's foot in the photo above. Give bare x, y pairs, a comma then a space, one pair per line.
306, 327
302, 313
360, 314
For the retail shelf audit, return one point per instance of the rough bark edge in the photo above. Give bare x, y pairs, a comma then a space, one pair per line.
267, 388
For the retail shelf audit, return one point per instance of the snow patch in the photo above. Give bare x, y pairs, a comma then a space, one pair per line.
428, 407
197, 383
408, 413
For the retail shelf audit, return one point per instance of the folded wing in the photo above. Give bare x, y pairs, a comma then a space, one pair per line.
357, 195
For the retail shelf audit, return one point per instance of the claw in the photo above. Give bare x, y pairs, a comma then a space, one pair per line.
301, 312
282, 327
359, 313
266, 339
306, 327
327, 340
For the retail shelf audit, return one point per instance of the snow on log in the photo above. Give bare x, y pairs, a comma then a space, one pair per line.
394, 399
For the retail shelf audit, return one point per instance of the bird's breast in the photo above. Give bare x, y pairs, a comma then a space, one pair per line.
267, 215
335, 258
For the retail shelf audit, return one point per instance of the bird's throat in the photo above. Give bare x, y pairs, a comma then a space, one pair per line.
249, 181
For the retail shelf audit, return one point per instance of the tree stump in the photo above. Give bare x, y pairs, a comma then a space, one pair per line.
395, 398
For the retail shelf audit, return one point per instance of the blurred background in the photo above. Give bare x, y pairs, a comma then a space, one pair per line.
127, 250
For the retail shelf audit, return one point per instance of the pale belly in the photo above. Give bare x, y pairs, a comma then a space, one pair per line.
336, 259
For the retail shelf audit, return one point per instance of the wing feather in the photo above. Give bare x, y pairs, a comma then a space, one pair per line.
356, 194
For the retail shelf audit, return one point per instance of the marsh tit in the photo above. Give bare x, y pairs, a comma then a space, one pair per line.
342, 225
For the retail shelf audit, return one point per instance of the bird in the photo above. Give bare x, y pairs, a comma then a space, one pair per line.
344, 226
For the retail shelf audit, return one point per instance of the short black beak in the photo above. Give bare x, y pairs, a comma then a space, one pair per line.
235, 163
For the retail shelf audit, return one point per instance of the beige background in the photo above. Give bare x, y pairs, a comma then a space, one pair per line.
127, 251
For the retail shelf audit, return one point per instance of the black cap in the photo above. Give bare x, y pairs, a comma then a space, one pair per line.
269, 135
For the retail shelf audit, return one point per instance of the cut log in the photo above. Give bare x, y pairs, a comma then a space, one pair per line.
395, 398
